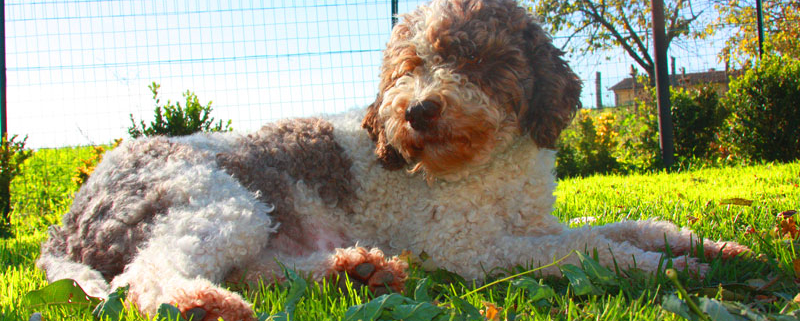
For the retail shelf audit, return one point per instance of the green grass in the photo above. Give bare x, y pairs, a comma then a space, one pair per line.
696, 199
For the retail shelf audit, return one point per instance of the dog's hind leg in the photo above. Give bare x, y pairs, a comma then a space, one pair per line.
192, 249
652, 235
545, 249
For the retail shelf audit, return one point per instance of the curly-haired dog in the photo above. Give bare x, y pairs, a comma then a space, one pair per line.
472, 98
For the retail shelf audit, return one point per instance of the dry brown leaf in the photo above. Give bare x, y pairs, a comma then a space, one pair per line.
787, 227
796, 267
736, 201
765, 298
787, 214
797, 298
492, 312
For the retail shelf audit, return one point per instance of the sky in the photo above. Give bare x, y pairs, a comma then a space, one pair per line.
78, 69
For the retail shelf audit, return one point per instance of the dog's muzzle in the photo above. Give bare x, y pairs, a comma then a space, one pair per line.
423, 115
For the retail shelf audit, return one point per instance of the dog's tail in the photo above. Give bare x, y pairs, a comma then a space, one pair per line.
57, 264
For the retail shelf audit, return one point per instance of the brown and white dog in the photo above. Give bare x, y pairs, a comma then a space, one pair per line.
453, 159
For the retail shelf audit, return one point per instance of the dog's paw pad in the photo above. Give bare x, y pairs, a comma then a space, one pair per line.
195, 314
369, 268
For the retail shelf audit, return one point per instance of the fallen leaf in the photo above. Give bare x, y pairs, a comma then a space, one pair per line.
692, 219
766, 298
492, 312
582, 220
787, 214
736, 201
796, 267
787, 226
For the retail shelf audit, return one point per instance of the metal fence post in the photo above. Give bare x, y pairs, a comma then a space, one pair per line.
662, 84
3, 113
394, 12
760, 20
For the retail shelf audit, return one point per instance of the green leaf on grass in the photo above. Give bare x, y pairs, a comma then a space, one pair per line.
372, 310
578, 280
422, 311
111, 308
716, 311
471, 312
536, 290
170, 312
297, 289
675, 305
421, 291
597, 272
64, 292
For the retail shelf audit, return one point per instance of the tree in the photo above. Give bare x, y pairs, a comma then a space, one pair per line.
781, 29
617, 23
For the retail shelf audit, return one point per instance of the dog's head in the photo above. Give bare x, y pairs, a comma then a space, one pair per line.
463, 78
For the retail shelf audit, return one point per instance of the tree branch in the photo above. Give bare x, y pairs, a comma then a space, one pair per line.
592, 11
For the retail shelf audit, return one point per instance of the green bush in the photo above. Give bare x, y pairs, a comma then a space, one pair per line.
697, 117
587, 146
175, 120
12, 155
765, 111
639, 149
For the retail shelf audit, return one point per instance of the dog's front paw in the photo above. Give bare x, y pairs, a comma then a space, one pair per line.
205, 302
369, 268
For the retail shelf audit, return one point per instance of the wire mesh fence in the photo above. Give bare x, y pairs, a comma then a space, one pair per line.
78, 69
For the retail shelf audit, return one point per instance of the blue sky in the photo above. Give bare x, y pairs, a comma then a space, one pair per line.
78, 68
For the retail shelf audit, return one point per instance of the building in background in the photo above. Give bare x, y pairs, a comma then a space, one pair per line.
627, 90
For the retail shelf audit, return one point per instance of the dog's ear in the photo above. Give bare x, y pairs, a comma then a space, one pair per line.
387, 155
552, 91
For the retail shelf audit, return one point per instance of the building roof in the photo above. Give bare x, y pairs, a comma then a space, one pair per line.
711, 76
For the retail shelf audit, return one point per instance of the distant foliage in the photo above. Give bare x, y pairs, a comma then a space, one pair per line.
625, 139
175, 120
88, 164
12, 155
697, 117
588, 146
765, 111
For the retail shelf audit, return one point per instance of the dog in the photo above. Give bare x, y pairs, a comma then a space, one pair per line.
454, 159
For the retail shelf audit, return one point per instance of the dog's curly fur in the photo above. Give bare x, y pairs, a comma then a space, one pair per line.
472, 98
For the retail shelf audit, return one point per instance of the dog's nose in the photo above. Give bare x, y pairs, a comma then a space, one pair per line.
422, 115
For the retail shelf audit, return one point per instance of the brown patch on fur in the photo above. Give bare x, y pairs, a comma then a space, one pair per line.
499, 47
388, 156
102, 233
278, 156
553, 96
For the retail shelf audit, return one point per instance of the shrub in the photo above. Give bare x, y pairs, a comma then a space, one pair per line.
765, 115
697, 117
175, 120
587, 146
88, 164
639, 148
12, 155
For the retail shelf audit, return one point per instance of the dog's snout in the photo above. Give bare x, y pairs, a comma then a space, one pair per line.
422, 115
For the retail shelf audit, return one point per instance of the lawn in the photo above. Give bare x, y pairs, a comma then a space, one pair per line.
739, 203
